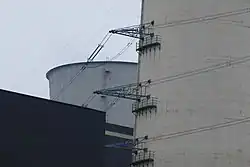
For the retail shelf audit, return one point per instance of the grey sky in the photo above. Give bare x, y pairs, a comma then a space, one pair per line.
36, 35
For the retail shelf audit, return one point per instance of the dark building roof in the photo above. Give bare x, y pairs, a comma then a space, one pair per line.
37, 132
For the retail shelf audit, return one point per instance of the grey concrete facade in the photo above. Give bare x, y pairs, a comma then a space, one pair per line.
205, 99
98, 75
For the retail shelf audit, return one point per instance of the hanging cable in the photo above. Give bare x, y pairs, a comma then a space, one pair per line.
233, 23
142, 30
121, 52
195, 130
203, 18
99, 47
191, 73
89, 99
198, 130
90, 59
201, 70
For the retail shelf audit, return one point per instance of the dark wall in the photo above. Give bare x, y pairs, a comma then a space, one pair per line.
37, 133
119, 129
117, 157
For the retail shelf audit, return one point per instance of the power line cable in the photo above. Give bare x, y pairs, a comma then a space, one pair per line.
132, 31
198, 130
99, 47
192, 72
186, 74
195, 130
201, 70
185, 133
89, 99
129, 44
122, 51
203, 18
234, 23
90, 59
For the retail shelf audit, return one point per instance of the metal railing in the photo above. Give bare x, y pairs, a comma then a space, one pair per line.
151, 102
148, 41
143, 156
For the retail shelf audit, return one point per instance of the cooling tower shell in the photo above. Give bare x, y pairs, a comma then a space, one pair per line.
98, 75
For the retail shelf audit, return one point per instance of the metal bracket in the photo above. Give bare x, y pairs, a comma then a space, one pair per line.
137, 31
126, 91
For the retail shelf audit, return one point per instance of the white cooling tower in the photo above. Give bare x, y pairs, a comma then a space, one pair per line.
68, 85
